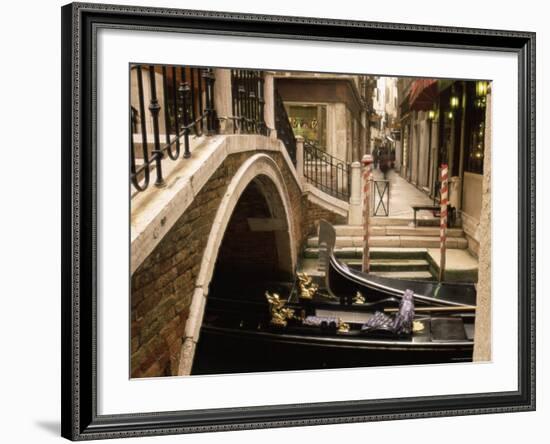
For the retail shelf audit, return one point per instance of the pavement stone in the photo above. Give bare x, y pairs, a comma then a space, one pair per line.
403, 195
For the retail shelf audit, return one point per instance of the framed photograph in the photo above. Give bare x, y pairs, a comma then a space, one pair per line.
278, 221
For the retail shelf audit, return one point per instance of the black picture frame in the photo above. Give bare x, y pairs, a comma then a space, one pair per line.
79, 396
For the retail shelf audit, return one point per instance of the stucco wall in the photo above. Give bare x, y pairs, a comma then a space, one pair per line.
483, 340
473, 190
340, 134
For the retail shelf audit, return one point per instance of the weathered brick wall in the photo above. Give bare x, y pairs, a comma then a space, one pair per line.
243, 251
314, 213
162, 287
296, 201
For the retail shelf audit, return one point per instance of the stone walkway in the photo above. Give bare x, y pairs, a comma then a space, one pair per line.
417, 262
402, 196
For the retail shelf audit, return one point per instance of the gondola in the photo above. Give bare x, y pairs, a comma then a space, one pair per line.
231, 348
344, 282
251, 330
240, 338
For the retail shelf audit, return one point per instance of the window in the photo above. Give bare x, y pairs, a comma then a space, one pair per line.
309, 121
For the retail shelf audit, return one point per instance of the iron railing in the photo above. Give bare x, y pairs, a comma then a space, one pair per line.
283, 127
170, 103
188, 99
326, 172
248, 102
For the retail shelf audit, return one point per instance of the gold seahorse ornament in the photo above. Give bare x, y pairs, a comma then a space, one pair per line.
359, 298
343, 327
279, 313
307, 289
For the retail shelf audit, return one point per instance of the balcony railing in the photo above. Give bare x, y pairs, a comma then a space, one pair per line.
326, 172
170, 103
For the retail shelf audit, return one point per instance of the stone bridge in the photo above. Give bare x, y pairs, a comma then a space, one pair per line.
239, 204
241, 198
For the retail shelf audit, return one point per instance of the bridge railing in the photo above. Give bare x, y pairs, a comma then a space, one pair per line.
326, 172
169, 104
283, 127
248, 101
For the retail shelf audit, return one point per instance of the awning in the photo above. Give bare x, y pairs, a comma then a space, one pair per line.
423, 93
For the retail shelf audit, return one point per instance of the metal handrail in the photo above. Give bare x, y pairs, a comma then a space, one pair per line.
248, 102
283, 127
183, 112
188, 107
326, 172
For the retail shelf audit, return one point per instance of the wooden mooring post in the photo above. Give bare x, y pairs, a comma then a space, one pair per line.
367, 162
443, 220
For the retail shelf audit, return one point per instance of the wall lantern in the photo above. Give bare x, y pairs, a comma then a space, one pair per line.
481, 92
454, 102
481, 88
431, 114
450, 115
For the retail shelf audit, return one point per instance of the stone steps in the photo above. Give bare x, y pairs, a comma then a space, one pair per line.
403, 263
375, 253
355, 242
410, 262
395, 265
382, 221
394, 230
399, 268
402, 221
398, 253
412, 275
417, 269
391, 236
347, 252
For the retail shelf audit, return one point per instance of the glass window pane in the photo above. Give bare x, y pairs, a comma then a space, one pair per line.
309, 121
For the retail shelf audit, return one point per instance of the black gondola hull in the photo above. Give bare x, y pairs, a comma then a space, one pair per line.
231, 350
238, 334
344, 282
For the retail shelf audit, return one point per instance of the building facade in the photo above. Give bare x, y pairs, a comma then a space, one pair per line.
384, 123
328, 110
443, 122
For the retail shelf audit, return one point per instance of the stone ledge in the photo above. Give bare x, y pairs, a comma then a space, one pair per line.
155, 210
326, 201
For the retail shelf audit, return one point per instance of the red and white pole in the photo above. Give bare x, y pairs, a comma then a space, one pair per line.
443, 219
367, 162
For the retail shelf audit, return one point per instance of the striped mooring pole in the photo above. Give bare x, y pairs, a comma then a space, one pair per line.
443, 219
367, 162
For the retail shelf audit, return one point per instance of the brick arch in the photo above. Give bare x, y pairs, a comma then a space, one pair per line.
266, 174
